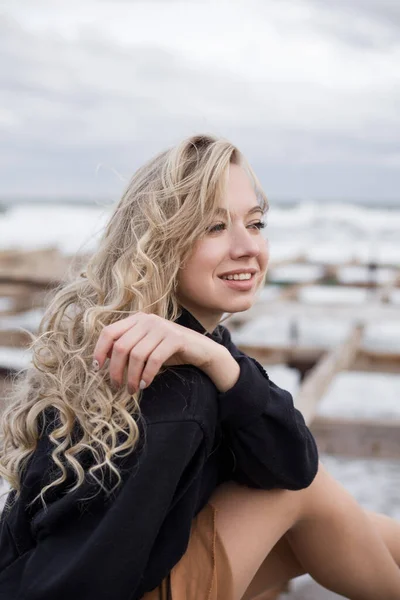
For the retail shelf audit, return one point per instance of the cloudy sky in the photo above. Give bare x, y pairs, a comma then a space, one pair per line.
309, 90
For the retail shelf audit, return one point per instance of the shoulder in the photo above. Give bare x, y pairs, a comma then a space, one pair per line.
180, 393
226, 340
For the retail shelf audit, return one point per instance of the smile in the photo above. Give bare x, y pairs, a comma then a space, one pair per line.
239, 284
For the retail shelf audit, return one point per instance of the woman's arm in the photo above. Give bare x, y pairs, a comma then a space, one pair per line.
268, 436
222, 369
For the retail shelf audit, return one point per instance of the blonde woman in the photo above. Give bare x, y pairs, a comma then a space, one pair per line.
147, 456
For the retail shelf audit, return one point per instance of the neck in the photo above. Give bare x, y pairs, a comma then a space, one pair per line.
208, 319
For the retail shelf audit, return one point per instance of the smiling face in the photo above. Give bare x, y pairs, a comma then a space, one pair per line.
226, 247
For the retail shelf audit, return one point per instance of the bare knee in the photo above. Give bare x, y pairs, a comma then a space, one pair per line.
251, 523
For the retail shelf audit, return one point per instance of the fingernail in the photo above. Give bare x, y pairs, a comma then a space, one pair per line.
114, 385
95, 365
142, 384
131, 389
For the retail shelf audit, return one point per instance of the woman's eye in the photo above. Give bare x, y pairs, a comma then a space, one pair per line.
216, 227
260, 224
220, 226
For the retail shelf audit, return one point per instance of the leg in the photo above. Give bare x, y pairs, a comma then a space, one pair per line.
279, 567
329, 534
281, 564
389, 530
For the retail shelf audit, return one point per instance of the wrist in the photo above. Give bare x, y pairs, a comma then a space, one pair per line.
223, 370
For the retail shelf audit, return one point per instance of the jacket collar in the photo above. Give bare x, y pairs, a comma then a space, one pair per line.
188, 320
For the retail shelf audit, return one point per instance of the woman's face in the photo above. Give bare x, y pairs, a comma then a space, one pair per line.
226, 248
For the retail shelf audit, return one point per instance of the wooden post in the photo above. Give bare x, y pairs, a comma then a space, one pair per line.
319, 377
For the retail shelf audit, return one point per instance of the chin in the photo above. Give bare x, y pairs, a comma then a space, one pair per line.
239, 305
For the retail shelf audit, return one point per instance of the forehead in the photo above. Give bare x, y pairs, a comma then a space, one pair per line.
240, 197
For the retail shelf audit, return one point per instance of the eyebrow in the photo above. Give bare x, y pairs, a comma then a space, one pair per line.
257, 208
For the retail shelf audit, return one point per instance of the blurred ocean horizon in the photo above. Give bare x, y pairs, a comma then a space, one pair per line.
324, 231
7, 201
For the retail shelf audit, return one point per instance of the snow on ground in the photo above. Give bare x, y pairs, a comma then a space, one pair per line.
382, 335
357, 274
14, 358
395, 296
272, 330
294, 272
270, 292
286, 378
4, 487
363, 395
29, 320
332, 295
6, 304
69, 228
334, 232
275, 330
349, 274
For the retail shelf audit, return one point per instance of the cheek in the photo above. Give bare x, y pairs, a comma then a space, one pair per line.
264, 253
206, 258
201, 264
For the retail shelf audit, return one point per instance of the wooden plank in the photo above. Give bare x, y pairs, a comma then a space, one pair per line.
15, 290
24, 302
384, 362
283, 262
328, 279
320, 376
386, 291
16, 255
283, 354
5, 388
357, 438
291, 292
364, 360
35, 280
38, 268
320, 310
14, 338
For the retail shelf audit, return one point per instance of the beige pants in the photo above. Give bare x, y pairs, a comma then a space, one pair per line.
203, 572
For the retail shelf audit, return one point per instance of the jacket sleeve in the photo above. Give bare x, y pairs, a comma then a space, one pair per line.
271, 445
89, 548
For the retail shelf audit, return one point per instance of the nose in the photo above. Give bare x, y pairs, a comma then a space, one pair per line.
244, 242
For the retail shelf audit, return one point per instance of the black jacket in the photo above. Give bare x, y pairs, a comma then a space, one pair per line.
193, 438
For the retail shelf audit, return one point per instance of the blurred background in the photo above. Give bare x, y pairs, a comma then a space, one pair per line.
309, 91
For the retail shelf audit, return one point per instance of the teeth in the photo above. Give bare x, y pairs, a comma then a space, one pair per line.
237, 277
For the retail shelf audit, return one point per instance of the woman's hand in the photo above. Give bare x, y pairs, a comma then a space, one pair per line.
144, 342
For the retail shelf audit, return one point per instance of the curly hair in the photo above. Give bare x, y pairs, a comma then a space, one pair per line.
164, 210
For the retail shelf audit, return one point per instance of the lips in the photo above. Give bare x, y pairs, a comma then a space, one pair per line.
238, 272
240, 284
223, 276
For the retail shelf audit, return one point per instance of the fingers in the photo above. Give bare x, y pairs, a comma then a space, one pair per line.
108, 336
145, 360
127, 346
141, 343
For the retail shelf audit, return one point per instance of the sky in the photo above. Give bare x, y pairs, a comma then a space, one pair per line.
308, 90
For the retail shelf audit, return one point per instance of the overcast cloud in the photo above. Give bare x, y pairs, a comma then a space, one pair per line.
309, 90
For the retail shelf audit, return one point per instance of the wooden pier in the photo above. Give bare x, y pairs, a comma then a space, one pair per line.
26, 277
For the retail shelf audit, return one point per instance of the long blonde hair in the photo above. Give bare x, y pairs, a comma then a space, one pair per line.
166, 207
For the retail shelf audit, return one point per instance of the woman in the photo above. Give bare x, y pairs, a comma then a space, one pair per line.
148, 457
